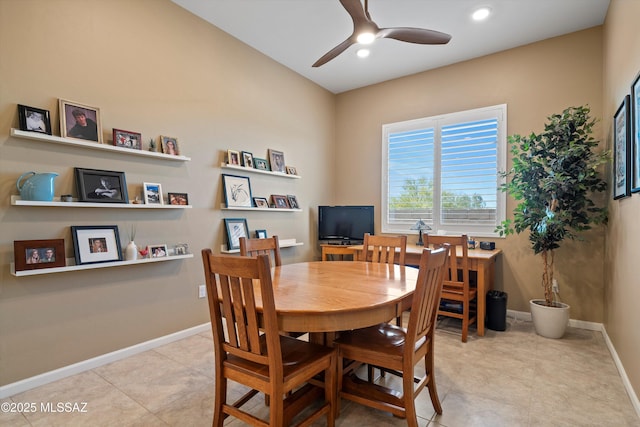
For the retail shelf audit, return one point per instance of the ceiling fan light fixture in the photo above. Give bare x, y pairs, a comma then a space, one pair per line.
366, 38
481, 14
363, 53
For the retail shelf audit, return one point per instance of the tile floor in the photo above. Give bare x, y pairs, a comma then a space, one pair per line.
511, 378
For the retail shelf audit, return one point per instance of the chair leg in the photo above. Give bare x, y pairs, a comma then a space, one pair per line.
429, 366
331, 392
409, 400
219, 400
465, 320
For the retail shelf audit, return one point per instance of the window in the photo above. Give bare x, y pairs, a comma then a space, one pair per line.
444, 170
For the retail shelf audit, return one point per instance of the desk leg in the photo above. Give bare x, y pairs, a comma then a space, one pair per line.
485, 284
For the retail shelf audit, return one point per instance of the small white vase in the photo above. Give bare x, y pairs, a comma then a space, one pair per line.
131, 251
549, 322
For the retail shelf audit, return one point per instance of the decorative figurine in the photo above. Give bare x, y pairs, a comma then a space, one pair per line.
152, 145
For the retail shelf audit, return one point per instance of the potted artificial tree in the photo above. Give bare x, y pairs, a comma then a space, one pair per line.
554, 177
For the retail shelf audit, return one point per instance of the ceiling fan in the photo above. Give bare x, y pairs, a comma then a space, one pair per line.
366, 31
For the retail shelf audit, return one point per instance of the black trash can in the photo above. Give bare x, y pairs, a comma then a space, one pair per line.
497, 310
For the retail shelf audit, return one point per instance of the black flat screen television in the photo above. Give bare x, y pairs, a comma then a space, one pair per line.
344, 224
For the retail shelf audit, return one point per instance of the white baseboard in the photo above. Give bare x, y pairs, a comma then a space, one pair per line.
66, 371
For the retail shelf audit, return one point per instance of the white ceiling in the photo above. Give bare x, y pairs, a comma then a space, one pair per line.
298, 32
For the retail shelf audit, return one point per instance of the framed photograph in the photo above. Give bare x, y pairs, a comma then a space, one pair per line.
157, 251
169, 145
280, 202
178, 198
237, 191
152, 193
37, 254
260, 202
261, 164
127, 139
34, 119
233, 157
291, 170
100, 186
276, 158
96, 243
236, 228
261, 234
247, 159
181, 249
293, 202
621, 151
635, 134
80, 121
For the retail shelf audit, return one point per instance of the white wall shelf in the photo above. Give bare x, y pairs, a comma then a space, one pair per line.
287, 243
35, 136
259, 171
17, 201
72, 267
261, 209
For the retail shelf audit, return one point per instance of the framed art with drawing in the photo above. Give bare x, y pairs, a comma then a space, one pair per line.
621, 151
100, 186
236, 228
80, 121
237, 191
635, 134
38, 254
96, 243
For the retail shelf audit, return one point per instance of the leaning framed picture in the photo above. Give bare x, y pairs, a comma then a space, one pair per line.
233, 157
80, 121
261, 164
96, 243
236, 228
178, 198
276, 158
152, 193
37, 254
169, 145
635, 134
260, 202
621, 150
293, 201
261, 234
237, 191
34, 119
157, 251
280, 202
247, 159
127, 139
100, 186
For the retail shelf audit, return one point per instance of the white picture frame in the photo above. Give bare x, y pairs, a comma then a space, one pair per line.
153, 193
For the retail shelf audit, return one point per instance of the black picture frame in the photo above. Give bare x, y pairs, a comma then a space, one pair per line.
237, 191
236, 228
247, 159
181, 199
635, 134
261, 234
38, 254
293, 201
621, 150
101, 186
261, 202
94, 244
34, 119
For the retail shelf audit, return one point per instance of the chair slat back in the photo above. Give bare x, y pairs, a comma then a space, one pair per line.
457, 275
266, 246
382, 249
230, 288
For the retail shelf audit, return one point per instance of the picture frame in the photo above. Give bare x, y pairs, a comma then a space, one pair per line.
169, 145
291, 170
621, 150
96, 243
157, 251
635, 134
293, 201
280, 202
181, 249
152, 193
127, 139
261, 202
38, 254
233, 157
276, 159
261, 234
261, 164
237, 191
34, 119
72, 124
236, 228
181, 199
247, 159
101, 186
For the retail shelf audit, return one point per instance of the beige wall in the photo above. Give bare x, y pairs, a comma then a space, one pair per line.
152, 67
622, 293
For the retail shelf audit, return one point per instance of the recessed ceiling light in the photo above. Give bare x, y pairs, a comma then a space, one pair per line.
363, 53
481, 14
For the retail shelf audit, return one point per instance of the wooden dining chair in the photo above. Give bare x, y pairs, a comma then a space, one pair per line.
269, 246
248, 348
459, 298
397, 350
384, 249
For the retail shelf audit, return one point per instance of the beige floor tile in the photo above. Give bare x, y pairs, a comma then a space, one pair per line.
469, 410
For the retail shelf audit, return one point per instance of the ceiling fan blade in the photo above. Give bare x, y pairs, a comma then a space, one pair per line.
414, 35
356, 11
334, 52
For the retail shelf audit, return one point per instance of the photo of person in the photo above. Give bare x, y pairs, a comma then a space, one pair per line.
35, 122
106, 189
79, 121
233, 157
49, 255
33, 256
34, 119
276, 159
158, 251
178, 199
97, 245
84, 127
169, 145
126, 139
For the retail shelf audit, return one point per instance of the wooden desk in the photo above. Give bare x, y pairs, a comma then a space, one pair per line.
481, 261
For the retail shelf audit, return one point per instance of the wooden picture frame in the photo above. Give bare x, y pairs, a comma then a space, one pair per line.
101, 186
181, 199
233, 157
247, 159
34, 119
261, 234
72, 124
96, 243
169, 145
280, 202
157, 251
635, 134
261, 164
621, 150
293, 201
261, 202
276, 159
237, 191
38, 254
236, 228
127, 139
152, 193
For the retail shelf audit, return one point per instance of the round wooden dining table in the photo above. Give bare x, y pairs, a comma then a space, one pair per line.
330, 296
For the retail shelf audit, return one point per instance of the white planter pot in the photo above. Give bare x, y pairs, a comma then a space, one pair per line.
549, 322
